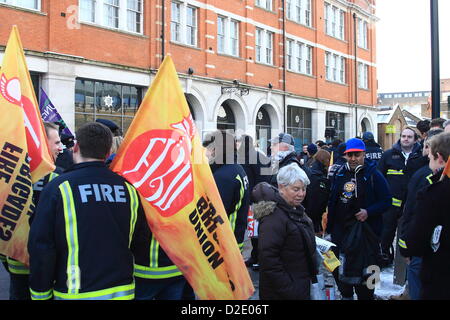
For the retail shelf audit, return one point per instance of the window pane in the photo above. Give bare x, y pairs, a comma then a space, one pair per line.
87, 10
30, 4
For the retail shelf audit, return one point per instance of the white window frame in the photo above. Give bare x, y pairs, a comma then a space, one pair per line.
136, 12
363, 28
299, 11
182, 36
363, 76
264, 46
334, 21
192, 26
228, 41
335, 66
299, 57
98, 15
17, 3
265, 4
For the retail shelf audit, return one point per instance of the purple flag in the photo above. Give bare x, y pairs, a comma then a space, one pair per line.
50, 114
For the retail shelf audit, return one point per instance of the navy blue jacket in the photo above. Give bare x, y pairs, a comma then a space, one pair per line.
397, 173
80, 238
419, 180
232, 183
374, 151
376, 197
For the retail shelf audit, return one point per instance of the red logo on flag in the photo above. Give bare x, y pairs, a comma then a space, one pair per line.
158, 164
11, 91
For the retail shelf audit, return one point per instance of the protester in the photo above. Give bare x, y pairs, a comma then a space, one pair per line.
319, 187
303, 155
359, 193
339, 160
419, 180
65, 158
283, 154
156, 276
437, 123
428, 235
373, 149
447, 126
398, 165
334, 148
231, 180
18, 272
311, 150
257, 167
423, 126
115, 129
117, 141
80, 238
286, 237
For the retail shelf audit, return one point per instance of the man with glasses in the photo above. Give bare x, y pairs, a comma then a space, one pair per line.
398, 164
359, 192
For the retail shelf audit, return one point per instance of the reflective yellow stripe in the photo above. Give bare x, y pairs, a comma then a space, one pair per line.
241, 246
154, 252
156, 273
429, 178
396, 202
233, 216
402, 244
35, 295
53, 175
17, 267
70, 217
134, 204
125, 292
395, 172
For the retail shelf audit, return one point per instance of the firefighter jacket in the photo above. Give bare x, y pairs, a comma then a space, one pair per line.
12, 265
232, 183
151, 261
81, 235
420, 180
398, 171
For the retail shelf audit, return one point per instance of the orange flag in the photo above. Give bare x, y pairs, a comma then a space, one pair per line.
24, 155
447, 169
163, 158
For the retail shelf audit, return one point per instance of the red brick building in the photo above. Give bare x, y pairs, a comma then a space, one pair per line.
251, 65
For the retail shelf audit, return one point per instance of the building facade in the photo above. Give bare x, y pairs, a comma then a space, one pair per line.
254, 66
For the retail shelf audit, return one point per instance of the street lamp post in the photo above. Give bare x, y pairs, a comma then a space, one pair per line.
435, 76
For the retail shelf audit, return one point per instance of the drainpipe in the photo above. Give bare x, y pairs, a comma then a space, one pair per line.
163, 34
284, 65
356, 73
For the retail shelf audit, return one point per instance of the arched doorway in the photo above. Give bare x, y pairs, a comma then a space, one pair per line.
263, 128
225, 118
365, 125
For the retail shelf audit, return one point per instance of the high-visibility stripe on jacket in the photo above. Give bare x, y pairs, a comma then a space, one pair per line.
82, 235
156, 264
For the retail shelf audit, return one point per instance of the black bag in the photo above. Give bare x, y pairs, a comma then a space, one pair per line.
360, 249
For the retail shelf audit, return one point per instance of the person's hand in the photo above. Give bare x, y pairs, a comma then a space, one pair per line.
362, 215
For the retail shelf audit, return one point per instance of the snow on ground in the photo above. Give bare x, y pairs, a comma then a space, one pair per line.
387, 287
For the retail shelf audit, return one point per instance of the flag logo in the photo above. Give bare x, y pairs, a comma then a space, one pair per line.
161, 170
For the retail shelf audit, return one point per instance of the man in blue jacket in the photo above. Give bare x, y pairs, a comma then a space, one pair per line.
359, 192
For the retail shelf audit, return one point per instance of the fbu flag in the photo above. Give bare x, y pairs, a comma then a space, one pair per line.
163, 158
24, 154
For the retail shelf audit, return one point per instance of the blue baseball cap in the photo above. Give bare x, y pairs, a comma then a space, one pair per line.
354, 145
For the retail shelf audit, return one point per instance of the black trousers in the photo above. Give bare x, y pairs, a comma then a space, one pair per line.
348, 290
390, 222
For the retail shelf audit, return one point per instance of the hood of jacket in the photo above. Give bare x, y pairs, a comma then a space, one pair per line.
397, 146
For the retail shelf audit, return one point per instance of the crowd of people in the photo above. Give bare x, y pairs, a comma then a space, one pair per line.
351, 193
